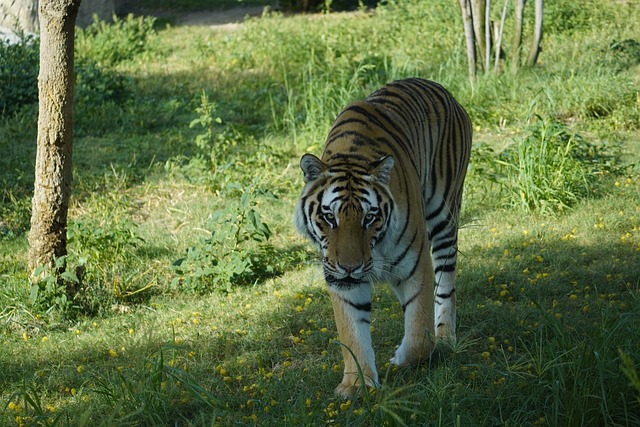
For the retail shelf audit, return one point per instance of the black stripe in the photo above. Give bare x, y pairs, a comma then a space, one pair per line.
445, 268
409, 301
446, 296
360, 307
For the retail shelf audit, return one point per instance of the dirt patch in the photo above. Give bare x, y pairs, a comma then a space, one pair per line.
224, 19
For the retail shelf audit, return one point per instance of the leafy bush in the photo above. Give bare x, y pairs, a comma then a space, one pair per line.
102, 242
111, 43
54, 288
19, 65
95, 85
225, 257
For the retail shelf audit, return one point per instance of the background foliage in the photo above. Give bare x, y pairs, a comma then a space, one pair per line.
197, 304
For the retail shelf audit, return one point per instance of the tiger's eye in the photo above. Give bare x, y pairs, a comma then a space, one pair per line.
329, 219
369, 219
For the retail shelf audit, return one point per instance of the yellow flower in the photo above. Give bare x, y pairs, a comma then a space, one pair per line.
113, 353
344, 406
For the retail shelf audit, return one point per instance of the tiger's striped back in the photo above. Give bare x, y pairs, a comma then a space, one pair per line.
385, 193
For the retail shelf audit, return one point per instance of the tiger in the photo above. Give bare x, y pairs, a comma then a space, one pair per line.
382, 203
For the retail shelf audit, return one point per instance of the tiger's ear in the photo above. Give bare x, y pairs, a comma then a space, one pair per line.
312, 167
381, 169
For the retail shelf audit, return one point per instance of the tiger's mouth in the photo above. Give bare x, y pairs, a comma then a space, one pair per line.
346, 280
333, 275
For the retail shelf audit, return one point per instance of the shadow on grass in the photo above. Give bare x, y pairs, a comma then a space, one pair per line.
541, 321
118, 145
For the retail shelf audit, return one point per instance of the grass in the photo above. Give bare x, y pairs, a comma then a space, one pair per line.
191, 150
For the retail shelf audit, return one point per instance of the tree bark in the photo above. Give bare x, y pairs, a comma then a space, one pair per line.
478, 11
469, 37
517, 37
499, 36
537, 35
52, 187
487, 36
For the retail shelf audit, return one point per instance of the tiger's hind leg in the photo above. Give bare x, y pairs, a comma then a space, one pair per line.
445, 305
444, 254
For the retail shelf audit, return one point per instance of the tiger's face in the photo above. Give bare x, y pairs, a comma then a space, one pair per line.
346, 210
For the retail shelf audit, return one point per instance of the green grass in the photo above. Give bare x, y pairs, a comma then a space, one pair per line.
186, 147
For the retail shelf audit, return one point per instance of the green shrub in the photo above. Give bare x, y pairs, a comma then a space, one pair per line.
19, 65
54, 289
226, 257
111, 43
95, 85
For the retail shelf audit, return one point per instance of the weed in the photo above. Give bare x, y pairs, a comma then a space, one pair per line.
214, 143
54, 288
224, 258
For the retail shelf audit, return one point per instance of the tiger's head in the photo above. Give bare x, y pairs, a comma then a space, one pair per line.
346, 209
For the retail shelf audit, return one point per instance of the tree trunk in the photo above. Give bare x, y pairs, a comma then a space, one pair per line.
469, 37
478, 11
537, 35
517, 37
499, 36
52, 187
487, 36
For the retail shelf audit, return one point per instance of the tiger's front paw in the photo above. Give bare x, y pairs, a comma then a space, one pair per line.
346, 391
351, 385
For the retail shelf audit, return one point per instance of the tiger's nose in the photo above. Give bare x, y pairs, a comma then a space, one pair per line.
351, 267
